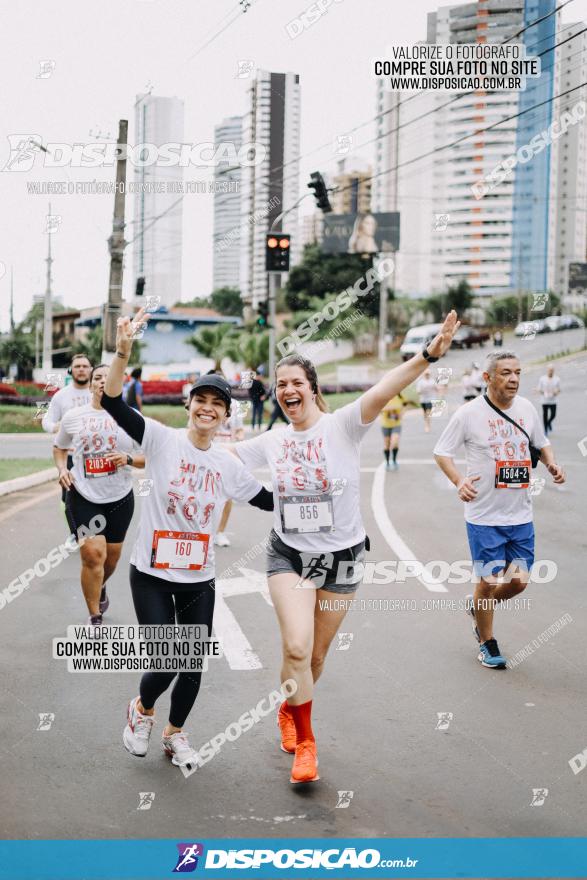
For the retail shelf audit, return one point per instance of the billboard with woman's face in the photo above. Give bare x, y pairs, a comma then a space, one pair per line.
361, 233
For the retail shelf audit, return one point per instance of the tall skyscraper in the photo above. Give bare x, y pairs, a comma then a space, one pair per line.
511, 238
568, 223
157, 227
531, 249
353, 190
272, 186
227, 208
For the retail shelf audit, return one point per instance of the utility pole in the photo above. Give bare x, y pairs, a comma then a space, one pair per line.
47, 318
116, 248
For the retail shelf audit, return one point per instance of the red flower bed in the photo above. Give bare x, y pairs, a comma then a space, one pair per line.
8, 390
163, 386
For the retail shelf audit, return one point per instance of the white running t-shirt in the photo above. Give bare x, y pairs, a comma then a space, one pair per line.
92, 433
190, 488
427, 389
62, 402
549, 387
316, 479
496, 451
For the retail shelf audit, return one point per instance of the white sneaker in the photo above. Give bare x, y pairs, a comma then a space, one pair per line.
177, 746
137, 731
221, 540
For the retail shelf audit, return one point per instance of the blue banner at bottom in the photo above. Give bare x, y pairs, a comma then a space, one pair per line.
287, 858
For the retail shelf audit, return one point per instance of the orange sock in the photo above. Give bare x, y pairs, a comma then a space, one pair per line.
302, 717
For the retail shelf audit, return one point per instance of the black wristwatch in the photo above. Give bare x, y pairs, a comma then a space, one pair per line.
129, 459
428, 357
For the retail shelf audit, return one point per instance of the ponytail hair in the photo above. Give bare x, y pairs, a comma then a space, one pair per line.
298, 360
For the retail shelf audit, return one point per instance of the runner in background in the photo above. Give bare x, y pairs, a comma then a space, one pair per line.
134, 393
276, 413
427, 389
257, 396
495, 490
468, 385
549, 387
172, 562
477, 375
391, 428
318, 537
77, 393
98, 484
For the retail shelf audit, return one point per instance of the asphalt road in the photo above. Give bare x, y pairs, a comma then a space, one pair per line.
376, 708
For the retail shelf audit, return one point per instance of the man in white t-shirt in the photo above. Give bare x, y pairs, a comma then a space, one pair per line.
76, 394
495, 489
549, 387
428, 390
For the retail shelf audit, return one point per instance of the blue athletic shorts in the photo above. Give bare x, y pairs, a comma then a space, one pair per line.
493, 548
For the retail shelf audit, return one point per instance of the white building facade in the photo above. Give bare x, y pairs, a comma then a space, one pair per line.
157, 227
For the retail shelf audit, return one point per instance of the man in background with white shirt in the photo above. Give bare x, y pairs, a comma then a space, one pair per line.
77, 393
495, 489
549, 387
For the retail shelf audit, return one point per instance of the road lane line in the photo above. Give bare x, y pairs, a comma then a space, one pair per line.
386, 527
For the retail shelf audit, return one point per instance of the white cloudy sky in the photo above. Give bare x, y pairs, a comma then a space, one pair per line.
105, 54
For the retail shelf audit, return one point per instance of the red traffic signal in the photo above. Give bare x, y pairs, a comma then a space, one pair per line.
277, 249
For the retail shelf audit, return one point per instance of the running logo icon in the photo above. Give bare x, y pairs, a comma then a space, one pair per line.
539, 795
344, 799
146, 799
444, 719
316, 568
187, 861
46, 719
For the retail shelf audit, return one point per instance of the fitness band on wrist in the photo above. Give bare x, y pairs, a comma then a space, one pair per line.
428, 357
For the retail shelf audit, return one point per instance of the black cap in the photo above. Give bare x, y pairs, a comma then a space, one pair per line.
216, 383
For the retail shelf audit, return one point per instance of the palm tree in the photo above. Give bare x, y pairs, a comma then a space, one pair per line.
211, 342
250, 349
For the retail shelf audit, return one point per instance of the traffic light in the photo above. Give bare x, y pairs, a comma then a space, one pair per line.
263, 315
277, 252
320, 192
140, 288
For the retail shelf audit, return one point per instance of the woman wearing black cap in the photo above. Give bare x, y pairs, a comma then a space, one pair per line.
172, 563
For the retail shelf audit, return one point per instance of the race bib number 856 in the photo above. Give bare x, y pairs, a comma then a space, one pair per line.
306, 513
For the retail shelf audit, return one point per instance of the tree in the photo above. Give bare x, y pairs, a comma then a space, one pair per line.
227, 301
338, 327
459, 297
211, 342
320, 274
18, 349
248, 348
91, 346
196, 303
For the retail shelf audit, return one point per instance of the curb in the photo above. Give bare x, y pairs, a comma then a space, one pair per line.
27, 482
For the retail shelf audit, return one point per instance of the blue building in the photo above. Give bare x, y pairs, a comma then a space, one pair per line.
167, 331
531, 201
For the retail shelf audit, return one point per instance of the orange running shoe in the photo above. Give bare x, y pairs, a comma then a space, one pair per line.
287, 727
305, 765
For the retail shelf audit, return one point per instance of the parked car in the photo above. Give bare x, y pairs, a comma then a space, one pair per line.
466, 337
554, 323
416, 338
540, 326
572, 322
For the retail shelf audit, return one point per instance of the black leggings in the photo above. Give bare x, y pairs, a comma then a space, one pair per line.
153, 605
548, 416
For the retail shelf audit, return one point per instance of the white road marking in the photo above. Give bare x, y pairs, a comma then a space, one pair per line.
386, 527
235, 645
